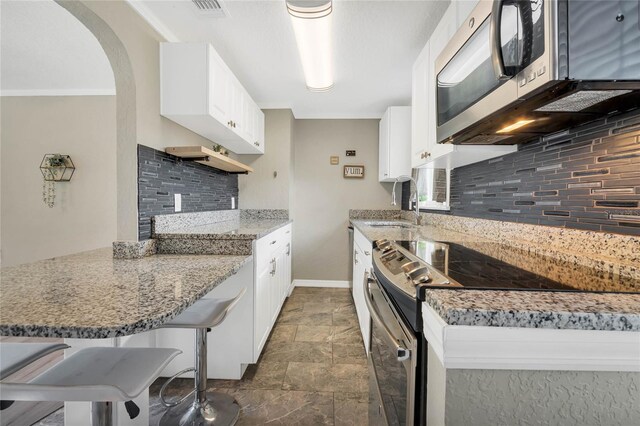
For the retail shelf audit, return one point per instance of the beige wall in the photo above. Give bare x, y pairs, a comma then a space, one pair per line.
132, 47
84, 216
322, 197
261, 189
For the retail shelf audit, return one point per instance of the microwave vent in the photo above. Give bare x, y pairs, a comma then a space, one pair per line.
485, 139
581, 100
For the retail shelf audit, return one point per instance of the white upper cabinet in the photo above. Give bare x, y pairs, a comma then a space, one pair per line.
199, 92
395, 144
425, 149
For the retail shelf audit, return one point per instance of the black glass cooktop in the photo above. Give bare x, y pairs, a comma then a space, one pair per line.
497, 266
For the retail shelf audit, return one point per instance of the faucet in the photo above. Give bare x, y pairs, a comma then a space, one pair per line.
393, 196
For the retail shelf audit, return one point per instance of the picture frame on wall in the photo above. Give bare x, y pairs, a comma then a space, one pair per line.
353, 172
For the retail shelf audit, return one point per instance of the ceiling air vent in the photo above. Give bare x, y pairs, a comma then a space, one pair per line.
214, 8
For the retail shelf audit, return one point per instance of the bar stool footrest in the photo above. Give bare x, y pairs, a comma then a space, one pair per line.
166, 384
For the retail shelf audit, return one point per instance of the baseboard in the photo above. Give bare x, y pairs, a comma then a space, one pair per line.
321, 283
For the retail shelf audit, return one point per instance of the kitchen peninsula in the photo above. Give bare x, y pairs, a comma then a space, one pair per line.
95, 299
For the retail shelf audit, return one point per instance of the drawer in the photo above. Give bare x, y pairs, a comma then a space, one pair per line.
267, 245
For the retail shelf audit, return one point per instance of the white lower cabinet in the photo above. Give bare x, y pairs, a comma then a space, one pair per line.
361, 265
239, 340
272, 257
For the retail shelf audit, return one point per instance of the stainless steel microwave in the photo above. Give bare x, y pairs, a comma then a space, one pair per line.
519, 69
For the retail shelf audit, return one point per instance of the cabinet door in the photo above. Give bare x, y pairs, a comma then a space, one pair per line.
359, 269
277, 282
237, 105
259, 133
245, 122
262, 307
383, 149
219, 90
399, 142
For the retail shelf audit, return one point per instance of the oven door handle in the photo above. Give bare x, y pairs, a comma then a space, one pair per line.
402, 353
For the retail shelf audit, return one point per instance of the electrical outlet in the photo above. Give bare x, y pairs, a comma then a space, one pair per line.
233, 203
177, 198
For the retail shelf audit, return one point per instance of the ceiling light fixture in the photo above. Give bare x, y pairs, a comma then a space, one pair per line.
311, 22
515, 126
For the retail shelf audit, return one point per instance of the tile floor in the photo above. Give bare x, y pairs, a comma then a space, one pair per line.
312, 371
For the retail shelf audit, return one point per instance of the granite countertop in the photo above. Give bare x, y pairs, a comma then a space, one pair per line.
533, 309
93, 295
236, 229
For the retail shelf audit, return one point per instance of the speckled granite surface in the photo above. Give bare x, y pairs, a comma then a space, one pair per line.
205, 246
587, 311
375, 214
134, 249
264, 214
575, 311
238, 229
93, 295
598, 250
172, 222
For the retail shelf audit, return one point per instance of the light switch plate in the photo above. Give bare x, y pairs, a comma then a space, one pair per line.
177, 198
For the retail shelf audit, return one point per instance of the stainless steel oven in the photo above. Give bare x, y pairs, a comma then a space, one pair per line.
393, 359
517, 69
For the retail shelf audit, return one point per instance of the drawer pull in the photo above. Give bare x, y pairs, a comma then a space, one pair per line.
273, 242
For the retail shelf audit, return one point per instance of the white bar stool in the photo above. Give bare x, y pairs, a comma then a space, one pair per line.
15, 356
207, 408
101, 376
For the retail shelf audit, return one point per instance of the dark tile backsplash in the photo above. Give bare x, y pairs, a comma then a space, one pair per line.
161, 175
584, 178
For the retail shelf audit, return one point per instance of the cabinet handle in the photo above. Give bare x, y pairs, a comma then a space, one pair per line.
273, 267
273, 242
355, 256
256, 144
366, 253
229, 123
288, 249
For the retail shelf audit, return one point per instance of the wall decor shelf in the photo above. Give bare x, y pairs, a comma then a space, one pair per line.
208, 157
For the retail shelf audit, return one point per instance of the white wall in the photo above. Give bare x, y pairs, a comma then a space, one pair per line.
322, 197
84, 216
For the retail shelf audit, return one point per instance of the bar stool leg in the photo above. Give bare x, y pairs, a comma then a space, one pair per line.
207, 408
102, 413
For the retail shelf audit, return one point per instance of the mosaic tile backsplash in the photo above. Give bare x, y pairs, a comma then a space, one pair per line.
161, 175
584, 178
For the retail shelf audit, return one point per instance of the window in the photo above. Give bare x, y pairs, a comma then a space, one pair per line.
433, 186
